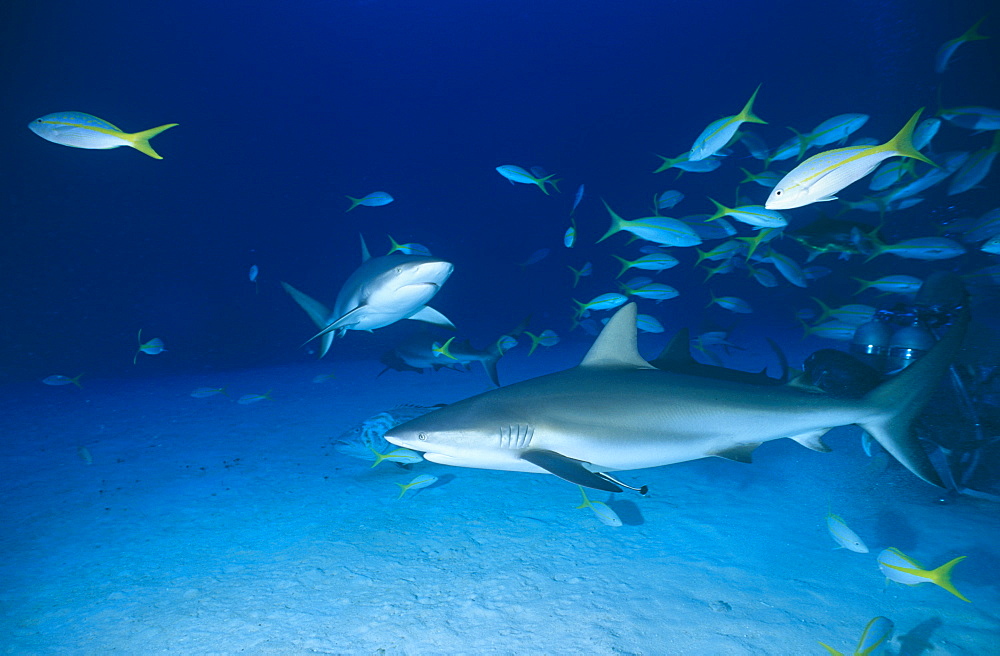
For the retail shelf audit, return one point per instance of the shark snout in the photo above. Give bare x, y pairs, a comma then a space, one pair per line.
435, 272
404, 438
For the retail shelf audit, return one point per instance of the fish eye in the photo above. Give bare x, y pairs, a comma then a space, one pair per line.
777, 192
422, 437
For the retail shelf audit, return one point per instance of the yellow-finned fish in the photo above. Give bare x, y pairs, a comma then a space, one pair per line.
418, 483
402, 456
945, 52
900, 568
80, 130
821, 176
154, 346
719, 132
605, 514
842, 534
875, 637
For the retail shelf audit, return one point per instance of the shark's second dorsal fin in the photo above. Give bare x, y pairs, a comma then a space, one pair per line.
677, 353
365, 255
616, 345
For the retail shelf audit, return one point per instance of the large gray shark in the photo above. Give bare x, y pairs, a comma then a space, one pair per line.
380, 292
615, 411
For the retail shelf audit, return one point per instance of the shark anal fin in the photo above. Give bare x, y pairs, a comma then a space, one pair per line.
813, 440
569, 470
739, 453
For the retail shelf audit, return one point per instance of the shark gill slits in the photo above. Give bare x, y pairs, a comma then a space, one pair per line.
516, 436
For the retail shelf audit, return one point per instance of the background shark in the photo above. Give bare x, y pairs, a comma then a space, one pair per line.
416, 353
380, 292
615, 411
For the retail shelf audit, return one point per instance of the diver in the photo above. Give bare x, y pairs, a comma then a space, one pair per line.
961, 426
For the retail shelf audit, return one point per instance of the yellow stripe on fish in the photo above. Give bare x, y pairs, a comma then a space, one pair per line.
80, 130
821, 176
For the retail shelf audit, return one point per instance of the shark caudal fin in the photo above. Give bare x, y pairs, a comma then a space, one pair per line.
899, 400
489, 361
316, 311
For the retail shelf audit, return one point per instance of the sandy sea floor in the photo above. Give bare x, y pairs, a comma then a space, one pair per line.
201, 526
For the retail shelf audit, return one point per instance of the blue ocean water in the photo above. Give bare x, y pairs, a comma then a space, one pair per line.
285, 110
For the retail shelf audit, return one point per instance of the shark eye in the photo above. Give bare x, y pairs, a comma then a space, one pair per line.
422, 437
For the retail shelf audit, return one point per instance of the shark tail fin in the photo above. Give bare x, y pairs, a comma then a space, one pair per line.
316, 311
898, 401
490, 363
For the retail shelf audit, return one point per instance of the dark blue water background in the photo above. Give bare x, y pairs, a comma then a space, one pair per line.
285, 108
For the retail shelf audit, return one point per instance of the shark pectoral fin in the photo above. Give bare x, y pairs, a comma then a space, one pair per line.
430, 315
340, 325
739, 453
812, 440
316, 311
569, 470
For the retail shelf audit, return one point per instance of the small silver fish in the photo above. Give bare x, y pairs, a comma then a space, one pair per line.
205, 392
418, 483
58, 380
247, 399
374, 199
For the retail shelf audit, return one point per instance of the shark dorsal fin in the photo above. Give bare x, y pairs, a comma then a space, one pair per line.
365, 255
616, 345
677, 353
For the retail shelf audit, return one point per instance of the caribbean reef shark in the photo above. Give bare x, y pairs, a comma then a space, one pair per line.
615, 412
380, 292
416, 353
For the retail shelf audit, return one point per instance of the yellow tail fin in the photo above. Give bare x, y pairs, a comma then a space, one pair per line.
747, 114
902, 143
833, 652
942, 577
140, 140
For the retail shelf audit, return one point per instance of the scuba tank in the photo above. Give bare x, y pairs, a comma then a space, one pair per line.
870, 343
907, 344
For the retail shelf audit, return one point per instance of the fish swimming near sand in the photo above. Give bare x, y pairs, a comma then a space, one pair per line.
380, 292
617, 412
876, 635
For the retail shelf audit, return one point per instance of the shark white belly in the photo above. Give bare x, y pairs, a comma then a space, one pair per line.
380, 292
